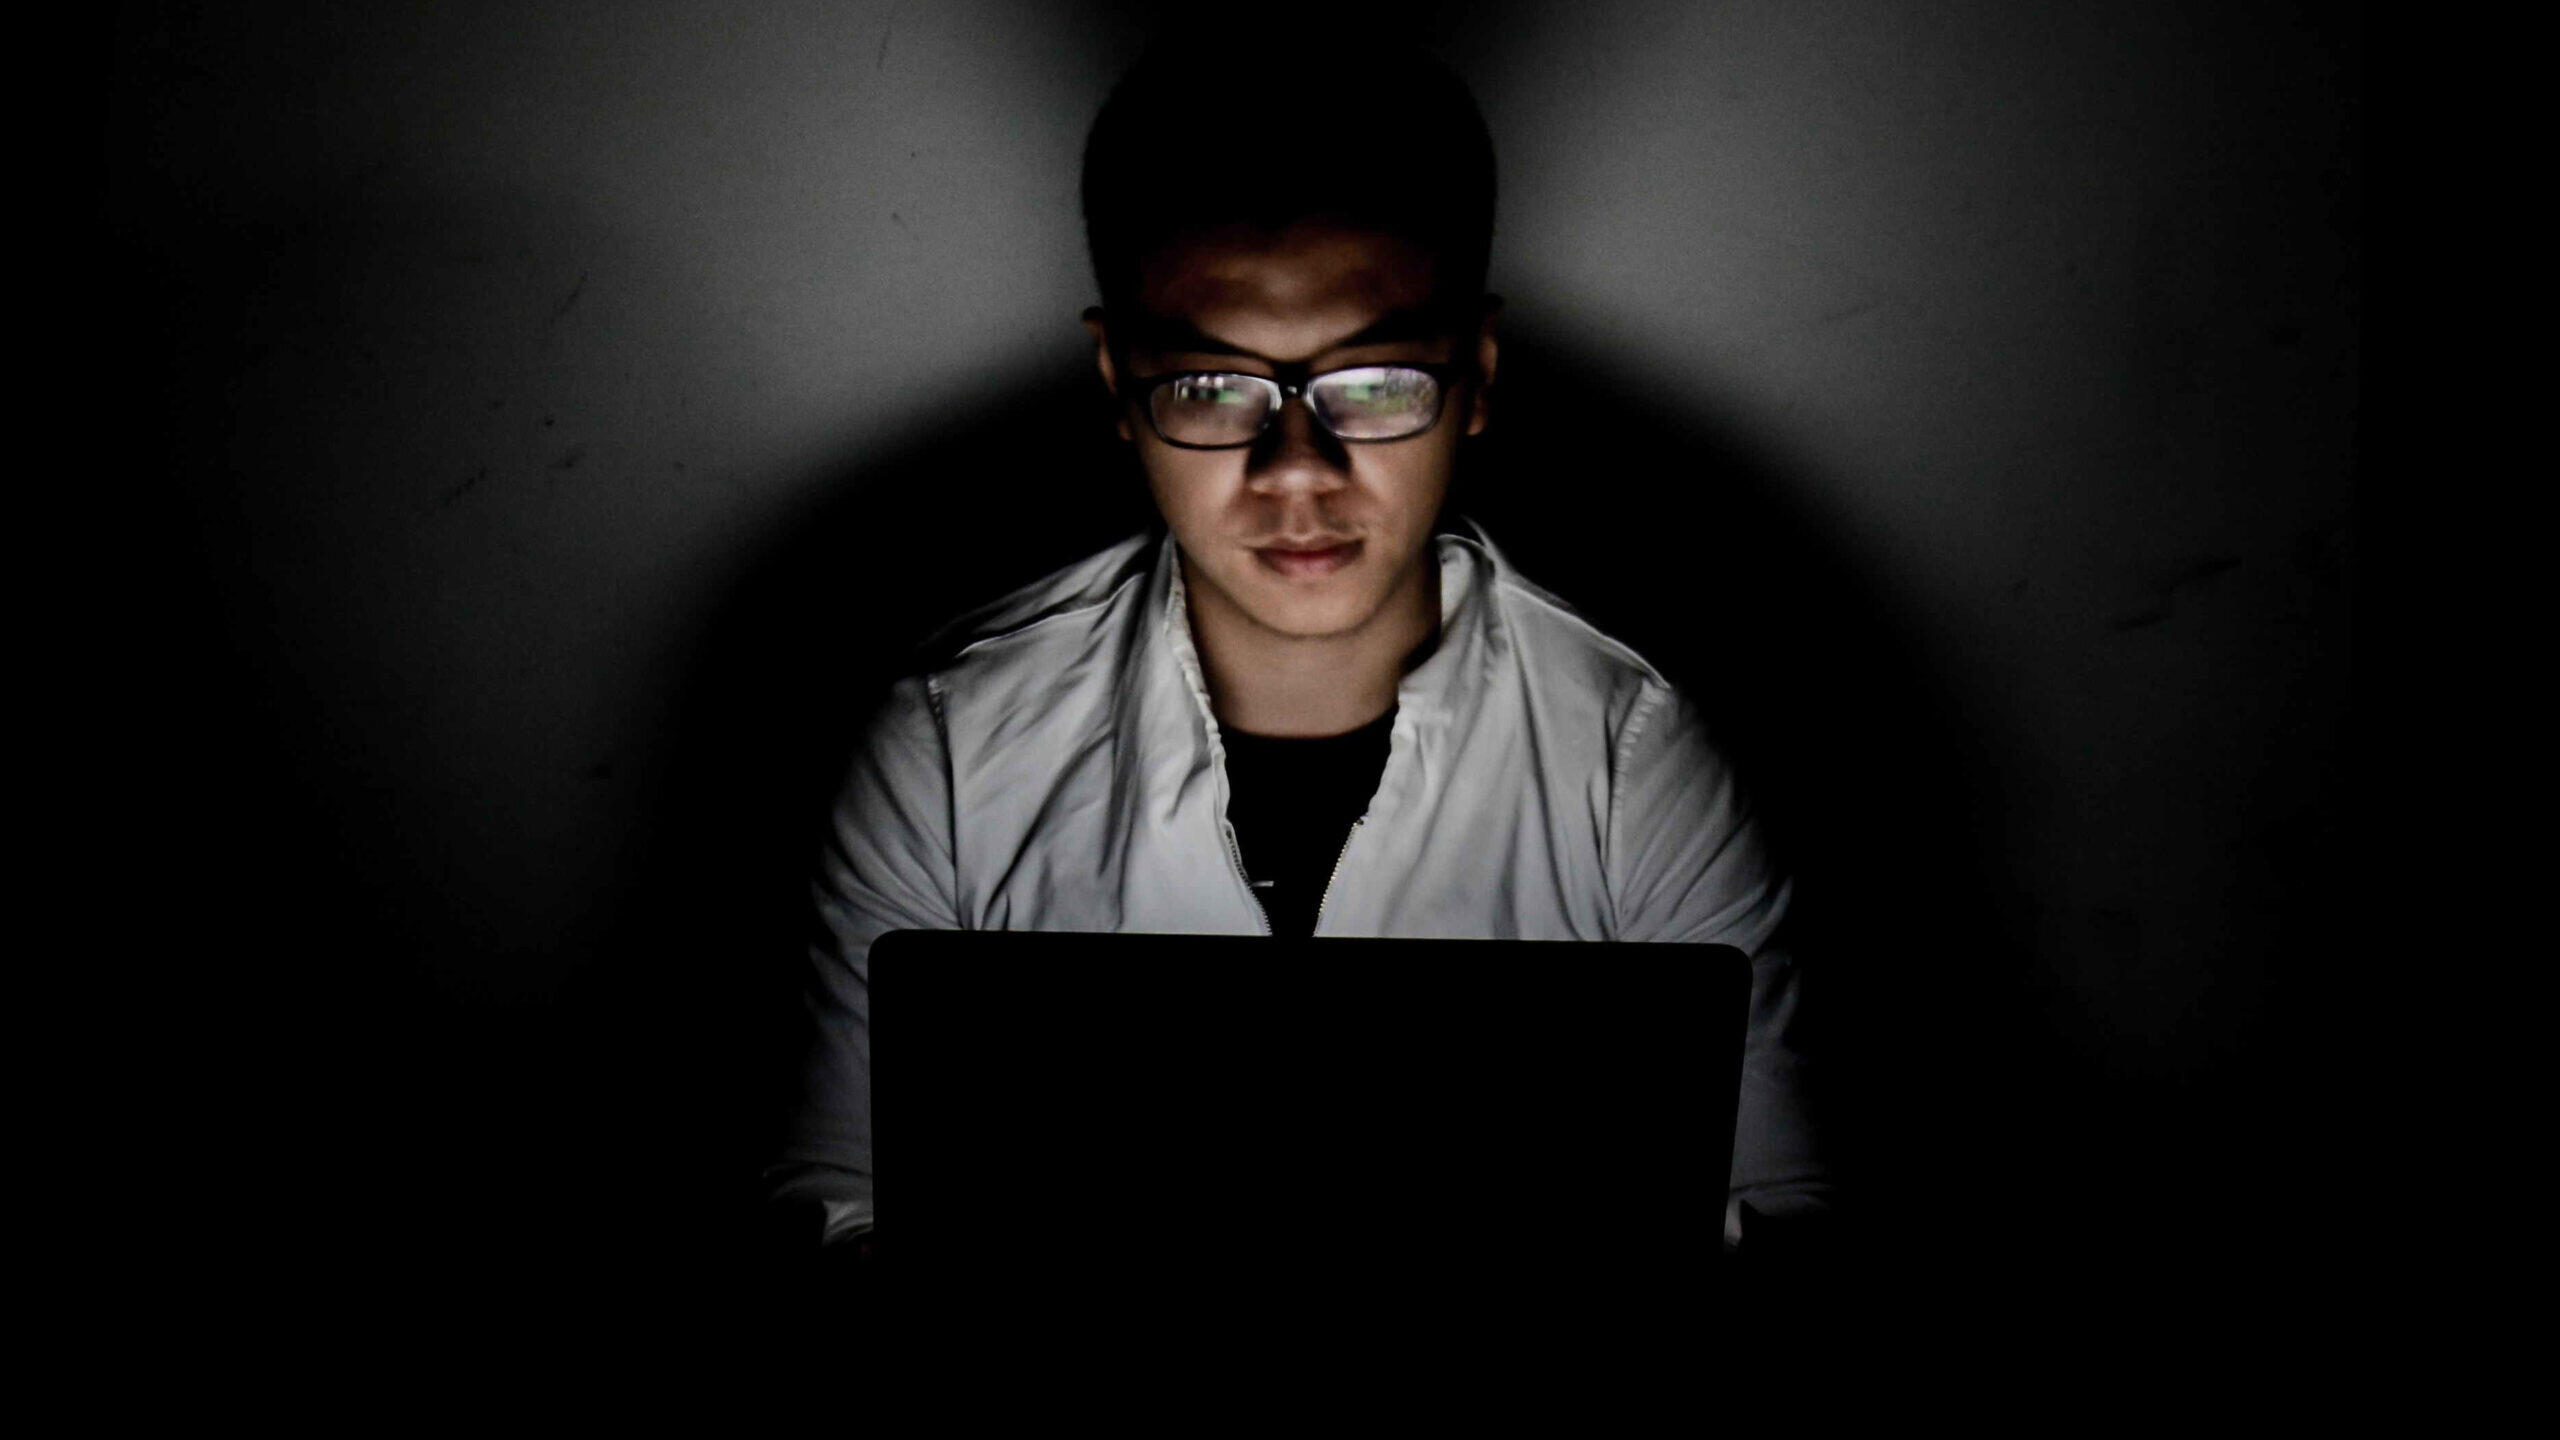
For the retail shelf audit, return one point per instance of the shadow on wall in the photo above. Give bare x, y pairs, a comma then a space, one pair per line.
1667, 533
288, 854
630, 1117
292, 1064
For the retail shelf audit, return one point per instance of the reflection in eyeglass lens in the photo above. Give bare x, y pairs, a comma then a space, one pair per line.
1212, 409
1213, 390
1383, 402
1375, 402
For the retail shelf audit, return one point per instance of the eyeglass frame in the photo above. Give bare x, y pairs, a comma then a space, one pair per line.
1292, 380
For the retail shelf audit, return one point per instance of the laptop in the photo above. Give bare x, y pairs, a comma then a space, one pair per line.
1223, 1121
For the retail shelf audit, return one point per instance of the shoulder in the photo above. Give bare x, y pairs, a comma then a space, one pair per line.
1560, 653
1009, 663
1057, 609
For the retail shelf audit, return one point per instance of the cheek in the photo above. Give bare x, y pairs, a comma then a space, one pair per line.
1189, 487
1413, 482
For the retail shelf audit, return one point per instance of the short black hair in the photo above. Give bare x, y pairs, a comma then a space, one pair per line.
1237, 127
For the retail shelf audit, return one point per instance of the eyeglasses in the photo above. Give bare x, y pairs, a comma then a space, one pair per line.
1224, 409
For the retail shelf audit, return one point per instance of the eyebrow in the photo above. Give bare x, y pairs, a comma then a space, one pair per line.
1396, 327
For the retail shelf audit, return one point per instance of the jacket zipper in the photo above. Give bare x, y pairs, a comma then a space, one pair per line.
1235, 855
1339, 857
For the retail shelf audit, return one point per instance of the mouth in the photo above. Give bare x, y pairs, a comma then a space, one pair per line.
1303, 561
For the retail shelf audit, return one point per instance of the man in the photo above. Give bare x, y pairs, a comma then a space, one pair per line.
1308, 706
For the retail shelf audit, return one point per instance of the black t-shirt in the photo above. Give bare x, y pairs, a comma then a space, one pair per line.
1293, 802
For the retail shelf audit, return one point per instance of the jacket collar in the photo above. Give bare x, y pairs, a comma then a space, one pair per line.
1448, 685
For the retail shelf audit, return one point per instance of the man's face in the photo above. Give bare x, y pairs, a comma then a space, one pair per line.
1298, 533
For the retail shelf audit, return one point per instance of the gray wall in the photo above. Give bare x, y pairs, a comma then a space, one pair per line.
568, 408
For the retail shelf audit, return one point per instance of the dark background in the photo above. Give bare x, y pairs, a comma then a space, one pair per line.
552, 420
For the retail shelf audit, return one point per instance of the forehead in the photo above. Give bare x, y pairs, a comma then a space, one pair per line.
1286, 294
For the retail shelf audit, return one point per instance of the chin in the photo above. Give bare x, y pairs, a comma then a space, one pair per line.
1312, 618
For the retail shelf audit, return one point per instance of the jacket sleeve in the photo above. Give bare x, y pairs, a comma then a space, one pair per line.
1688, 863
886, 865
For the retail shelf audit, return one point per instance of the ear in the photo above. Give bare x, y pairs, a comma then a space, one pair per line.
1093, 322
1480, 405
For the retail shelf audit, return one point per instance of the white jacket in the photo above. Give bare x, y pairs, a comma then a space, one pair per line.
1063, 771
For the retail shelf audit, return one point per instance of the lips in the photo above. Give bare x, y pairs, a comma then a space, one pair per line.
1308, 561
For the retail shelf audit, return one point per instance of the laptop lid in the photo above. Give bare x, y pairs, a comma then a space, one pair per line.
1292, 1114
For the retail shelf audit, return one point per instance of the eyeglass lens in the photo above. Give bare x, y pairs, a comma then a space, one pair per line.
1373, 402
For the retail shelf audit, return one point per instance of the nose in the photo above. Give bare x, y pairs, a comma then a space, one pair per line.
1297, 454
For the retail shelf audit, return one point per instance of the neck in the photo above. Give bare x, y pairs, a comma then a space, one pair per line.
1264, 682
